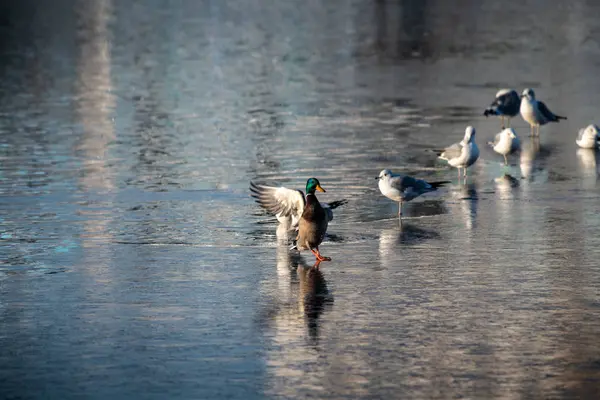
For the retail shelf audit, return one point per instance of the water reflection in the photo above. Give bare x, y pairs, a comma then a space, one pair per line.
402, 233
464, 203
313, 298
302, 299
94, 108
533, 159
408, 18
505, 185
423, 208
302, 291
95, 102
588, 166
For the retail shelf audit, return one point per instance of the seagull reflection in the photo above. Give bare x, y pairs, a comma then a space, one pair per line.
532, 158
588, 165
506, 186
529, 151
402, 233
465, 203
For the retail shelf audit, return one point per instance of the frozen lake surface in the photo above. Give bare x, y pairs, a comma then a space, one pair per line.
134, 264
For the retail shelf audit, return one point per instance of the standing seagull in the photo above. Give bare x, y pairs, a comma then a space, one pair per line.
403, 188
535, 113
294, 210
462, 154
506, 104
588, 138
505, 143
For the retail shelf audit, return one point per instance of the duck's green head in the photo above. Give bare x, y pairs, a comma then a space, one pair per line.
313, 184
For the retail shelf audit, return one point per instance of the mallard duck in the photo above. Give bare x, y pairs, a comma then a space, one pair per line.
403, 188
505, 143
535, 112
462, 154
505, 105
292, 208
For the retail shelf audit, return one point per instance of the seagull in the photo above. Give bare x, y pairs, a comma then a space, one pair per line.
535, 113
462, 154
506, 104
306, 214
588, 138
505, 143
403, 188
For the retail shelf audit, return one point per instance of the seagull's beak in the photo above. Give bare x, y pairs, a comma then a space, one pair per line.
521, 96
377, 178
320, 189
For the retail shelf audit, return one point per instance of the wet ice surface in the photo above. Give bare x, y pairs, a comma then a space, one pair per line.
134, 263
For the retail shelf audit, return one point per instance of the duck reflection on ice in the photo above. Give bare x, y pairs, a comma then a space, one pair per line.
302, 289
313, 297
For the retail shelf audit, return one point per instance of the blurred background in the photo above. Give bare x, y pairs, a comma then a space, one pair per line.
133, 262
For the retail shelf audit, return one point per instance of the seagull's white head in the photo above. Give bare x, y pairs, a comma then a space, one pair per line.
384, 174
528, 93
592, 130
469, 134
511, 133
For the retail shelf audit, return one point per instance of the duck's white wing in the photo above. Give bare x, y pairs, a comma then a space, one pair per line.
283, 202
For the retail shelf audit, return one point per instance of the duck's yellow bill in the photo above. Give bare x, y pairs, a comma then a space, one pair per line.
320, 189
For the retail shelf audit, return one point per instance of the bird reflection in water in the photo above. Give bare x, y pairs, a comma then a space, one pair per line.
402, 234
506, 183
506, 186
588, 165
301, 284
313, 297
532, 160
465, 201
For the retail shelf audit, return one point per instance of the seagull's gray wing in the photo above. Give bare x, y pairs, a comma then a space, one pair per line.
451, 152
496, 140
548, 115
280, 201
403, 183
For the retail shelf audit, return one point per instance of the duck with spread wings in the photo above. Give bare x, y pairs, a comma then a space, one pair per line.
305, 214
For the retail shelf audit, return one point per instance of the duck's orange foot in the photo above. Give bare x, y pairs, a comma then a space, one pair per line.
319, 256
